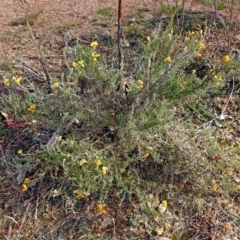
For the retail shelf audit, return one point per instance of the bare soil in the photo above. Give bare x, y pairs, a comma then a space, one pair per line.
77, 16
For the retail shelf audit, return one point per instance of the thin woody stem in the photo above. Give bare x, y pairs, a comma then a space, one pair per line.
120, 49
120, 54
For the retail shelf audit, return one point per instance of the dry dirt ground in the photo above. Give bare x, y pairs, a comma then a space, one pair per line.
77, 16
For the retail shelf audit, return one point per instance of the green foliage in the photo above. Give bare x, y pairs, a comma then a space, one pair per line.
205, 2
221, 6
133, 31
167, 9
30, 18
106, 11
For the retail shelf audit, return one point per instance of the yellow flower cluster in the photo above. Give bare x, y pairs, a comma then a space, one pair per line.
201, 46
95, 56
20, 151
78, 64
226, 58
140, 85
164, 203
183, 84
94, 44
32, 108
194, 35
217, 79
191, 33
145, 154
16, 79
55, 85
58, 138
79, 193
98, 163
215, 186
82, 161
101, 208
25, 183
163, 206
148, 39
167, 59
197, 54
6, 81
104, 170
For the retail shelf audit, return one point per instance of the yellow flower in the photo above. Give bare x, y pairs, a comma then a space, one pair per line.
170, 34
55, 191
164, 203
217, 79
32, 108
145, 154
58, 138
55, 85
78, 64
74, 64
185, 49
104, 170
198, 54
79, 193
183, 84
201, 46
20, 151
167, 59
26, 181
215, 186
17, 80
24, 187
140, 85
97, 161
94, 44
162, 207
226, 58
187, 39
81, 64
82, 161
6, 81
95, 56
101, 208
148, 39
